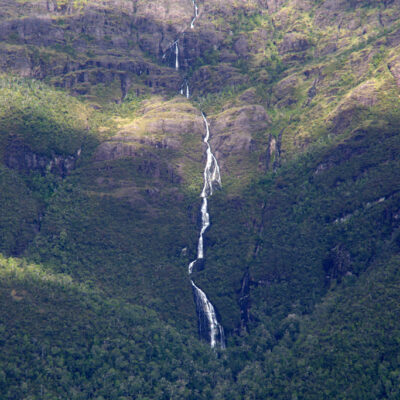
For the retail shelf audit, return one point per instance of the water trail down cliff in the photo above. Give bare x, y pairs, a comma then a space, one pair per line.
184, 90
209, 327
196, 14
187, 91
208, 324
177, 55
172, 49
212, 176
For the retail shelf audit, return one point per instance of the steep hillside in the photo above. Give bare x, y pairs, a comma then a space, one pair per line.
102, 159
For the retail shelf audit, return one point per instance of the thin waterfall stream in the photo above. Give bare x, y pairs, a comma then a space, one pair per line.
196, 14
209, 327
177, 55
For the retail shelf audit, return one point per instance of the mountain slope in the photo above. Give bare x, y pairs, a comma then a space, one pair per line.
101, 174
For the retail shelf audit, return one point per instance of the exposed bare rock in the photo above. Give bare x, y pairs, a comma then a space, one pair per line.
293, 42
365, 94
394, 67
327, 48
15, 60
233, 134
20, 157
180, 12
241, 46
162, 126
285, 86
272, 156
249, 96
284, 91
211, 79
274, 5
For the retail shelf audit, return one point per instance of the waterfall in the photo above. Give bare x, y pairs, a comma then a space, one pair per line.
196, 14
211, 171
177, 55
184, 90
173, 48
209, 327
208, 323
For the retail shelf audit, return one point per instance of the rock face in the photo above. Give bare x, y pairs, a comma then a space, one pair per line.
116, 42
210, 79
233, 128
244, 301
20, 157
365, 94
234, 136
394, 68
105, 50
118, 38
360, 98
162, 126
164, 140
284, 91
293, 42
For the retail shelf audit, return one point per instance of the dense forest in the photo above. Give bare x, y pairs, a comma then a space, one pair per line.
104, 106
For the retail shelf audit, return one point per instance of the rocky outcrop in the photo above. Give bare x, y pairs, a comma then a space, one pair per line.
359, 99
273, 153
241, 47
163, 128
285, 91
250, 96
128, 146
234, 128
210, 79
118, 40
394, 68
293, 42
365, 94
20, 157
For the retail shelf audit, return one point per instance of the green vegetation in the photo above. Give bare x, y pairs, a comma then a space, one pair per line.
63, 339
19, 217
302, 255
46, 120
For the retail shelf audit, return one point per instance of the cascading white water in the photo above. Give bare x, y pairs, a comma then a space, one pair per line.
212, 176
187, 91
184, 90
196, 14
207, 317
209, 327
173, 47
177, 55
